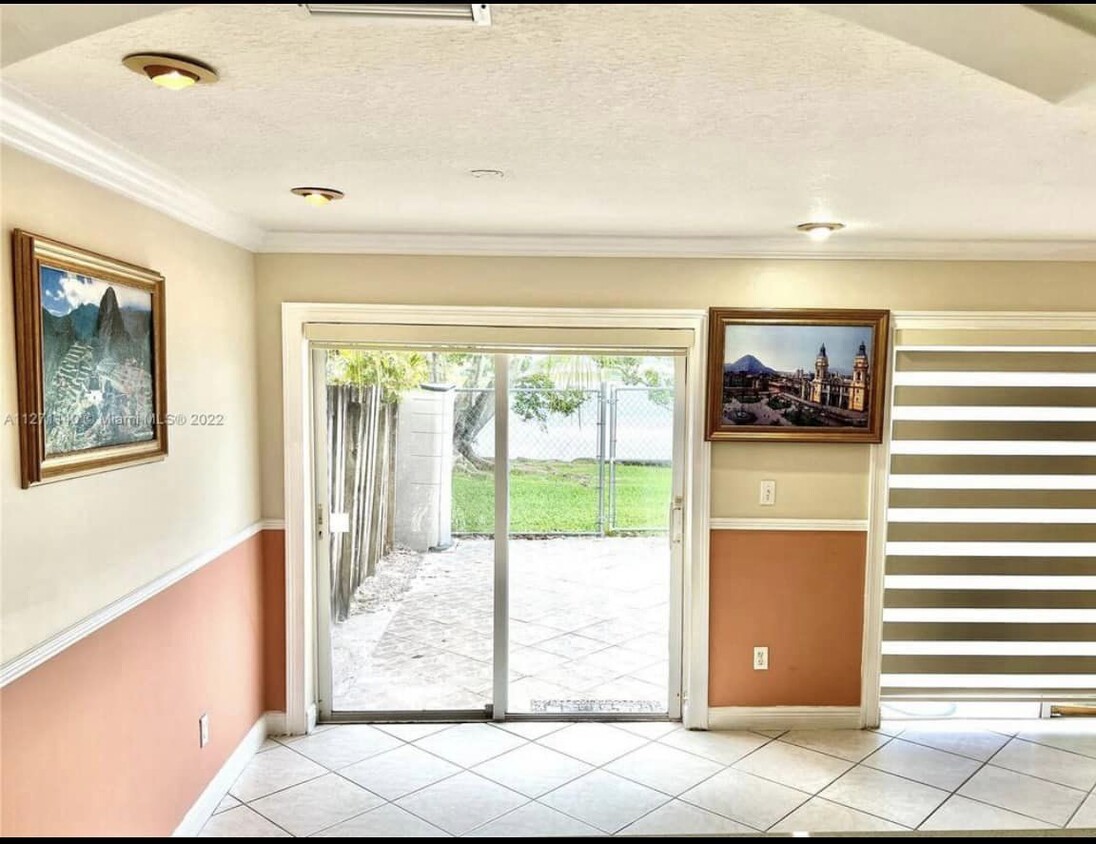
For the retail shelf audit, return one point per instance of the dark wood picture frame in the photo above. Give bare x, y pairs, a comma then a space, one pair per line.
30, 252
871, 389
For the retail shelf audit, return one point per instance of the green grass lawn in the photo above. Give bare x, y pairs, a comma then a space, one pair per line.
558, 497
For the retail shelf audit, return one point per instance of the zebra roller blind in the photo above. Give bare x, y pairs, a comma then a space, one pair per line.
990, 587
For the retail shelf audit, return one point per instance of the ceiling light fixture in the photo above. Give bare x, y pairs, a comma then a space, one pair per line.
486, 174
318, 197
477, 13
819, 232
169, 71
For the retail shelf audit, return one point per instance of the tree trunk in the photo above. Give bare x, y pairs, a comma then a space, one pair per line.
474, 410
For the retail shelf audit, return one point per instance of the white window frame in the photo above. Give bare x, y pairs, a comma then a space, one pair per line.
301, 637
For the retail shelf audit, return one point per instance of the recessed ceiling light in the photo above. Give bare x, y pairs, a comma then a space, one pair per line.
820, 231
486, 174
172, 72
318, 197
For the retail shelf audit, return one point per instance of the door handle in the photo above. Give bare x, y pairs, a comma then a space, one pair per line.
677, 520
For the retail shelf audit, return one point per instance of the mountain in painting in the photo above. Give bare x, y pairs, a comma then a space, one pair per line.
749, 365
97, 374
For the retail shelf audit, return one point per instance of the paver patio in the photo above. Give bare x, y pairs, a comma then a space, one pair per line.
588, 630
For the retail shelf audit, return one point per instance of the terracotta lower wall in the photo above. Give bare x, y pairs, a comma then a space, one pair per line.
801, 594
102, 739
274, 619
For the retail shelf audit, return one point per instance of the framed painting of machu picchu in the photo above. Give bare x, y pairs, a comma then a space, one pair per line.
799, 375
90, 358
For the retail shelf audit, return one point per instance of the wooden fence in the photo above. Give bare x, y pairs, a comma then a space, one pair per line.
361, 432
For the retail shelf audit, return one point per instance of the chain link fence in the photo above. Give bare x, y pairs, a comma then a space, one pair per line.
582, 462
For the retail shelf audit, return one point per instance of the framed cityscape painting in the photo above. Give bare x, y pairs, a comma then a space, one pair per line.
807, 376
89, 336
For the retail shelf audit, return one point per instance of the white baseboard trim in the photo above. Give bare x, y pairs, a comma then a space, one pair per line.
218, 787
275, 723
27, 661
784, 718
790, 524
273, 524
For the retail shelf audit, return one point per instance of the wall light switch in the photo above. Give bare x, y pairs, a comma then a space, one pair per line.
203, 730
768, 493
761, 659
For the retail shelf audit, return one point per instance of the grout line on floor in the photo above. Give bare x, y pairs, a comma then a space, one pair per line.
669, 797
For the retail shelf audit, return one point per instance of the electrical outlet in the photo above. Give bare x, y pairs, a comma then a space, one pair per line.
203, 730
761, 659
768, 493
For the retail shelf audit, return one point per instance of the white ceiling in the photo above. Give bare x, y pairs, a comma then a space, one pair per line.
659, 121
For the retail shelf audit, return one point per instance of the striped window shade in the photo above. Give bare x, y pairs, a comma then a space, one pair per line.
990, 588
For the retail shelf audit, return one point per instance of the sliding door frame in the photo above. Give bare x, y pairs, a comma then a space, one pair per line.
299, 477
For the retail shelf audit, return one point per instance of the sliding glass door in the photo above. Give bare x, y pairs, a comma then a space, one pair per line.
496, 532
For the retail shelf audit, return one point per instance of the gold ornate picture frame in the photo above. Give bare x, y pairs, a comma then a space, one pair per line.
797, 375
90, 361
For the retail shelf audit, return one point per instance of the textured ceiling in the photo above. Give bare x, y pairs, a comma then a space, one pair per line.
659, 119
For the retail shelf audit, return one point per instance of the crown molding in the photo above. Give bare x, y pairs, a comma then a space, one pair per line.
34, 128
638, 246
31, 127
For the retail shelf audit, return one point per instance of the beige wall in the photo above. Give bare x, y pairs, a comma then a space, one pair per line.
813, 481
70, 548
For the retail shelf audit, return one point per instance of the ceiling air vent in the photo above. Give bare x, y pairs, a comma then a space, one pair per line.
478, 13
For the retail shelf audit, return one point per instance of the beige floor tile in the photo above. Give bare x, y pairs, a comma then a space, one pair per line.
387, 821
923, 764
594, 744
977, 744
677, 818
532, 770
411, 732
818, 815
532, 730
399, 772
961, 814
604, 800
719, 746
664, 768
745, 798
1017, 792
1085, 817
1074, 734
852, 745
796, 767
272, 771
241, 822
317, 804
345, 745
534, 820
1049, 763
649, 729
228, 802
885, 796
461, 803
470, 744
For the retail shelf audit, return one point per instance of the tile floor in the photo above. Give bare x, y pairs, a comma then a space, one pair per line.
646, 778
589, 623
